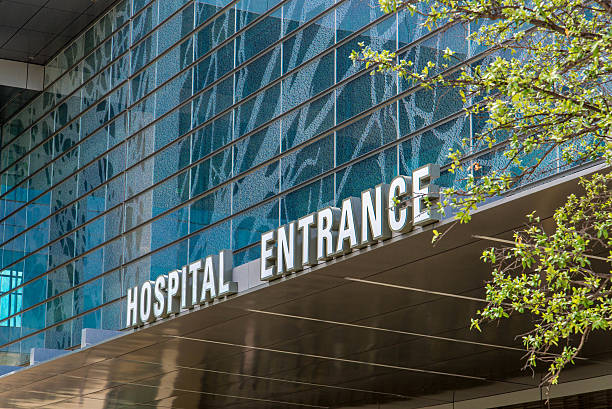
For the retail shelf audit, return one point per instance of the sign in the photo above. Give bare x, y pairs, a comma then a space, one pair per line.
197, 283
312, 239
332, 231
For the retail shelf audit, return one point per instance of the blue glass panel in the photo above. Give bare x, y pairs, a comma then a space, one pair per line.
169, 228
121, 41
168, 259
211, 172
111, 287
113, 255
213, 67
410, 25
258, 73
171, 160
34, 292
307, 199
35, 265
382, 36
379, 168
297, 12
363, 93
250, 10
93, 119
115, 192
88, 297
255, 187
90, 236
112, 315
354, 14
141, 115
43, 129
173, 93
257, 110
144, 52
307, 162
212, 136
246, 255
174, 61
40, 157
171, 127
257, 148
60, 336
60, 280
215, 33
309, 81
210, 209
213, 101
61, 251
210, 241
171, 193
258, 36
113, 223
142, 83
427, 106
89, 266
248, 226
432, 50
143, 22
433, 146
93, 147
33, 320
177, 27
207, 8
167, 7
366, 134
309, 42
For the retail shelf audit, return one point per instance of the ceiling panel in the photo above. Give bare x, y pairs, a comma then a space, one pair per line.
29, 28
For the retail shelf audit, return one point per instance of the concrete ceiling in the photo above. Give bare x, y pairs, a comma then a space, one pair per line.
34, 31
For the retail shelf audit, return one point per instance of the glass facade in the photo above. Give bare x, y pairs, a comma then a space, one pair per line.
173, 129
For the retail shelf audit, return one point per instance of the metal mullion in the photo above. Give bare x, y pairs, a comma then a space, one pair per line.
236, 68
76, 286
263, 89
365, 113
54, 185
184, 39
62, 322
55, 106
58, 78
312, 140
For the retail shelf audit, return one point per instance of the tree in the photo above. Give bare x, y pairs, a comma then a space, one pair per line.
548, 90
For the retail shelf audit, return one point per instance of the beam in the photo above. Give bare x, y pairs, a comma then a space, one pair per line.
21, 75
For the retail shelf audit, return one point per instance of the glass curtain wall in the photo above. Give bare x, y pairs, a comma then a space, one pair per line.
173, 129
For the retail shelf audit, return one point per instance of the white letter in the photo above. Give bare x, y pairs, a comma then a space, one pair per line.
424, 189
185, 296
399, 221
146, 302
348, 225
174, 286
286, 260
226, 267
209, 288
132, 318
194, 269
159, 308
327, 232
309, 246
374, 227
268, 256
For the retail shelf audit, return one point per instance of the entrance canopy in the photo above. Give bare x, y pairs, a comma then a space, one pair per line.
383, 327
